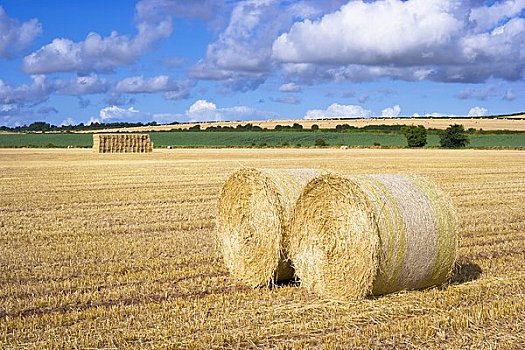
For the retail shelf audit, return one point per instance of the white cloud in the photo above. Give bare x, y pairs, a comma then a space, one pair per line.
477, 112
174, 90
441, 40
241, 55
370, 33
37, 92
47, 110
139, 85
203, 110
10, 115
101, 54
16, 36
509, 95
441, 115
393, 111
489, 17
479, 94
290, 100
290, 87
336, 110
199, 111
81, 85
68, 121
117, 114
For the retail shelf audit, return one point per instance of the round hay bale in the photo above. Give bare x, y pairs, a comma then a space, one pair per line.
253, 220
375, 234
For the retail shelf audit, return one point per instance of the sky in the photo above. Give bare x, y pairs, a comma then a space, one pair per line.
77, 61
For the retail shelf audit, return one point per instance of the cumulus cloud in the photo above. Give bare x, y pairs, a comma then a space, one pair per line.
42, 88
203, 110
102, 54
290, 87
15, 36
47, 110
489, 17
17, 102
81, 85
36, 92
479, 94
10, 115
115, 99
117, 114
477, 112
174, 90
290, 100
509, 95
441, 40
97, 53
68, 121
336, 110
369, 33
199, 111
242, 51
393, 111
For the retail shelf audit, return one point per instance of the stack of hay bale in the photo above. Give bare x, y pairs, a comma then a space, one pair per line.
344, 237
122, 143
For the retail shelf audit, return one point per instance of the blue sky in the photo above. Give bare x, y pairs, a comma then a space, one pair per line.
67, 62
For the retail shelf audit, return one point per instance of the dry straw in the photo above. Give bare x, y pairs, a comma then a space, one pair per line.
122, 143
376, 234
253, 221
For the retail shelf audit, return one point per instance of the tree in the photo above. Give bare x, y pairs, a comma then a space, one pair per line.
315, 127
320, 142
454, 137
416, 135
297, 126
39, 126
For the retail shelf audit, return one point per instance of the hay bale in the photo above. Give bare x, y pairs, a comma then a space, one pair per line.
376, 234
122, 143
253, 220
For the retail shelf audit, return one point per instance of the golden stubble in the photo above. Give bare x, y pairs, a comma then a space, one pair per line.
118, 251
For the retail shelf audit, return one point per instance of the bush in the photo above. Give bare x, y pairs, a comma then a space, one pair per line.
416, 135
320, 142
454, 137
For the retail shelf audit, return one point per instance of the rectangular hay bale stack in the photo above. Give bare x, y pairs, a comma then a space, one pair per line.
122, 143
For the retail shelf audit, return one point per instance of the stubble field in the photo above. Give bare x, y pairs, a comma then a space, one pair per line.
118, 251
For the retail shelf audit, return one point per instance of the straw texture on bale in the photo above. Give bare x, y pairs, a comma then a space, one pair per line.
122, 143
253, 217
374, 234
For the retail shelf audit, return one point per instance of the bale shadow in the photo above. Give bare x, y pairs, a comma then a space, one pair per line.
293, 282
465, 271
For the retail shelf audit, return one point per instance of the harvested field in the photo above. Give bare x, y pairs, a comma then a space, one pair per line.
516, 122
118, 251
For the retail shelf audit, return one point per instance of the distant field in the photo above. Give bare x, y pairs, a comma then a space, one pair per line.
255, 138
42, 140
515, 122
